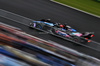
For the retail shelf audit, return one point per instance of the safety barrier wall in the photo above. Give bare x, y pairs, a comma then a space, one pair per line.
26, 21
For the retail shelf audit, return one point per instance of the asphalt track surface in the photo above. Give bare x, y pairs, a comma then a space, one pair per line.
38, 9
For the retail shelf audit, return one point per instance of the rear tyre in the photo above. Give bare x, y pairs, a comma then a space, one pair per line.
76, 39
54, 31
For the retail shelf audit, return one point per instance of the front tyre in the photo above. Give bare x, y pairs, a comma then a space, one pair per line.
39, 26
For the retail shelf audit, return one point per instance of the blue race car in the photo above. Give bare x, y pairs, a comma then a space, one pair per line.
64, 31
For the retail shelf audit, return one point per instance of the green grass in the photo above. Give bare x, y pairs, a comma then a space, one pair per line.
90, 6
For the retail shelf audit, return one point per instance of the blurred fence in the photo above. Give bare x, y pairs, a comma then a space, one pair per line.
54, 48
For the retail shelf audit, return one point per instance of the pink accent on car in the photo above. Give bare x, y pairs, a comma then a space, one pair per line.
34, 25
77, 34
67, 35
56, 31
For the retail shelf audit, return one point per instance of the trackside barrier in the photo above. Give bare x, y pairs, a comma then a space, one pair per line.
79, 61
88, 60
23, 55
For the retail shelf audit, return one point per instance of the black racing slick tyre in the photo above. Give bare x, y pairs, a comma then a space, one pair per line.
54, 31
39, 26
76, 39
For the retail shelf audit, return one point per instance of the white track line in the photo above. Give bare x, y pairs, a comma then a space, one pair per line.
14, 20
76, 9
16, 14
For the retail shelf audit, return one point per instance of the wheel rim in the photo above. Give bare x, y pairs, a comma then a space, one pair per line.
38, 26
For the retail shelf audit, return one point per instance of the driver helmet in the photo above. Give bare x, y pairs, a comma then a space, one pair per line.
61, 26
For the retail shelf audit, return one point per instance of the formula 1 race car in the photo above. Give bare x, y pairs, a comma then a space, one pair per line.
64, 31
